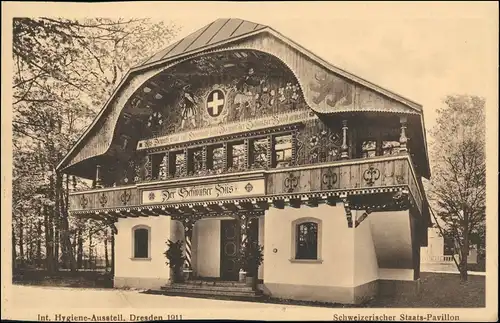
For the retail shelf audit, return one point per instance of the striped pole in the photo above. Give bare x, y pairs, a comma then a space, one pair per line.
188, 229
243, 233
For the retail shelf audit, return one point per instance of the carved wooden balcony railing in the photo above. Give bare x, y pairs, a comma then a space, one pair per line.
375, 183
104, 198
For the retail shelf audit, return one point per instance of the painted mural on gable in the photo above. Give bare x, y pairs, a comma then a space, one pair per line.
211, 91
251, 97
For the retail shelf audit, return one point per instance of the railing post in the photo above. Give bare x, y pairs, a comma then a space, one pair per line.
344, 148
98, 183
403, 140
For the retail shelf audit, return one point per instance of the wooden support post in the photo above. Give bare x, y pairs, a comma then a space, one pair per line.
225, 154
165, 171
244, 223
185, 171
248, 154
204, 158
148, 171
271, 155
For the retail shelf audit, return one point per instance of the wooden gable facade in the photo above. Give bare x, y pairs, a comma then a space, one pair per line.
238, 103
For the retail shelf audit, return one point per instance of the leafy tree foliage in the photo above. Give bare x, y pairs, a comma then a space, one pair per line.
64, 71
458, 185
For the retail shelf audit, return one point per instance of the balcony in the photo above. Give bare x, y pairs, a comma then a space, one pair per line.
374, 183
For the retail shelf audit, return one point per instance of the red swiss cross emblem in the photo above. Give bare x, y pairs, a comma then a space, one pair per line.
215, 103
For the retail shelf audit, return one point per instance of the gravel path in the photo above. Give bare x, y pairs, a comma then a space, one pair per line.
27, 302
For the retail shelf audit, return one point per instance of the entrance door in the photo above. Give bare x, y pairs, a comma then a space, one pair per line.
229, 246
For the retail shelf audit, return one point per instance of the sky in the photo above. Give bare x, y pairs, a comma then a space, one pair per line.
422, 51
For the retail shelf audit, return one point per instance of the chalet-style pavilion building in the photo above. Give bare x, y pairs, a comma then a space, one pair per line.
237, 132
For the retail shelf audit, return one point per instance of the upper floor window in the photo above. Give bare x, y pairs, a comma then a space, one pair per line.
157, 166
306, 241
283, 150
215, 158
141, 242
177, 163
237, 155
258, 150
195, 160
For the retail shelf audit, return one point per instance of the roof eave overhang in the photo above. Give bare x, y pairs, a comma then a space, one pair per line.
265, 29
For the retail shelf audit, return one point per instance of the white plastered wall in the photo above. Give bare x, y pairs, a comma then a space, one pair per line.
142, 273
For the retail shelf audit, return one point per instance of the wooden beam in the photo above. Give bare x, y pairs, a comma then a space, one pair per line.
155, 212
247, 206
215, 208
201, 208
331, 200
312, 202
279, 204
295, 203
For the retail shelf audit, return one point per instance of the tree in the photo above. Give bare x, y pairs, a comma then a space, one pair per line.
458, 185
64, 71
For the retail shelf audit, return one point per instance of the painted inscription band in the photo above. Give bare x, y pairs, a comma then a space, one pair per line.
204, 192
230, 128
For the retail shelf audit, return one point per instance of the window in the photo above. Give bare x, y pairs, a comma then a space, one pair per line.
259, 152
215, 158
176, 168
157, 166
368, 148
195, 160
141, 242
283, 150
390, 147
237, 157
306, 241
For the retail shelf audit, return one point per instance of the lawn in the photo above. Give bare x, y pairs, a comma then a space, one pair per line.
82, 278
441, 291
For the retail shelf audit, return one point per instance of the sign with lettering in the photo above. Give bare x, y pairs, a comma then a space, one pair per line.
229, 128
217, 191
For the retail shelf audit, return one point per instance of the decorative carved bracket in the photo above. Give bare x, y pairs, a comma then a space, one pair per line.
361, 218
347, 207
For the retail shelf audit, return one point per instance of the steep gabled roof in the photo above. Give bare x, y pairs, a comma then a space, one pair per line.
221, 30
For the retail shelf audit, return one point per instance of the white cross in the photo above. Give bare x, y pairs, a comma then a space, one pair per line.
215, 104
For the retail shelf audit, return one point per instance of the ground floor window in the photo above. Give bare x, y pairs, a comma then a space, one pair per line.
306, 240
141, 242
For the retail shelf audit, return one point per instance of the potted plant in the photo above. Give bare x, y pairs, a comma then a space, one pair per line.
251, 257
176, 259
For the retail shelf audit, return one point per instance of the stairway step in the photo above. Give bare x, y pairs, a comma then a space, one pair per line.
210, 292
210, 287
213, 283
